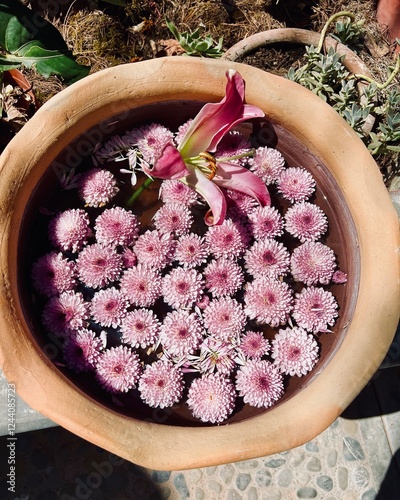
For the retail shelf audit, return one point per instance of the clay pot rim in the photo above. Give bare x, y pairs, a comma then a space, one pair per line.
98, 97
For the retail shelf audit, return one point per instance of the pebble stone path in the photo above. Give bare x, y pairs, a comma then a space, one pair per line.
357, 457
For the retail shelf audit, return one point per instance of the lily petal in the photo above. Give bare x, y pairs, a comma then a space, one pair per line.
211, 193
233, 176
169, 165
215, 119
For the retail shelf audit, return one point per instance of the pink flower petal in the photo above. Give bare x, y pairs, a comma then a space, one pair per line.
237, 178
169, 165
211, 193
215, 119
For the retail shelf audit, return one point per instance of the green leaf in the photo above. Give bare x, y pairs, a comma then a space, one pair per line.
30, 40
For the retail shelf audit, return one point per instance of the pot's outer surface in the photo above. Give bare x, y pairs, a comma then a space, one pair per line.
324, 133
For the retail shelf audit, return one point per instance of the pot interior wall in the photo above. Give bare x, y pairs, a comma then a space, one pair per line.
47, 198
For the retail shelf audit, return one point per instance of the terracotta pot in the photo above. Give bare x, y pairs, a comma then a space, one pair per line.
303, 37
364, 233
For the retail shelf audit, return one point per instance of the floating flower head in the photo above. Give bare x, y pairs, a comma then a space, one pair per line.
259, 383
266, 222
161, 384
268, 301
268, 164
296, 184
173, 218
306, 221
191, 250
116, 226
82, 350
224, 318
70, 230
315, 309
254, 345
216, 355
182, 287
140, 328
223, 277
225, 240
181, 333
97, 187
267, 258
193, 161
154, 249
118, 369
65, 313
294, 351
98, 265
53, 274
108, 307
142, 285
175, 191
313, 263
211, 398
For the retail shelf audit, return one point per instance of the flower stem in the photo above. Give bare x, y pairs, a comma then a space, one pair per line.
139, 191
383, 85
343, 13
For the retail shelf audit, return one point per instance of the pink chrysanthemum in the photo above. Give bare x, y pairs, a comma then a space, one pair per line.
140, 328
82, 350
233, 144
118, 369
53, 274
182, 131
315, 309
268, 164
174, 218
211, 398
224, 318
259, 383
181, 333
266, 222
65, 313
116, 226
223, 277
161, 384
267, 258
108, 307
306, 221
174, 191
129, 258
254, 345
141, 285
294, 351
240, 204
150, 140
98, 265
154, 249
312, 263
182, 287
296, 184
191, 250
97, 187
225, 240
216, 355
268, 301
70, 230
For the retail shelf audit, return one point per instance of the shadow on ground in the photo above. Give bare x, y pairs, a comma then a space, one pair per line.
54, 464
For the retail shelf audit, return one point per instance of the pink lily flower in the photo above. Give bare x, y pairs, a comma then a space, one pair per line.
193, 163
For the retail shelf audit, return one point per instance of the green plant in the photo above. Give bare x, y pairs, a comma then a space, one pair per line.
27, 39
195, 45
326, 76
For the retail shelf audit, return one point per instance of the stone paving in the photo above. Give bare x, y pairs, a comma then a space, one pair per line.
357, 457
